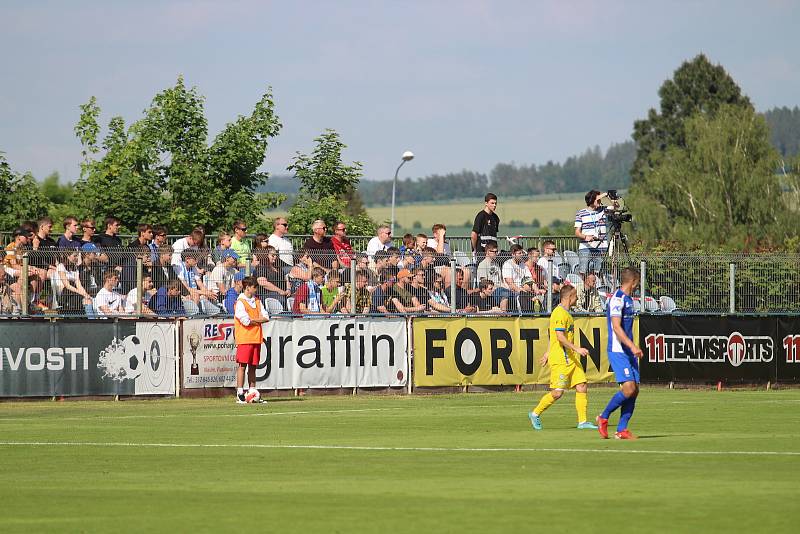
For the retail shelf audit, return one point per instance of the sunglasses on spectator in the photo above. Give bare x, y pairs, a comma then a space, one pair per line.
89, 228
161, 234
242, 228
321, 228
341, 229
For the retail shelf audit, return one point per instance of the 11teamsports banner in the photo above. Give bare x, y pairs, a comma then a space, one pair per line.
720, 348
452, 351
70, 358
301, 353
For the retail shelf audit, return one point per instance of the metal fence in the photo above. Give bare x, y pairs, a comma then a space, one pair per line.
165, 282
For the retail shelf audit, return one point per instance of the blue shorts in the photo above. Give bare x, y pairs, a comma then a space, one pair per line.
625, 366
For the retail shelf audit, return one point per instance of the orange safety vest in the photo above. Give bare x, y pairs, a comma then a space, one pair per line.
250, 333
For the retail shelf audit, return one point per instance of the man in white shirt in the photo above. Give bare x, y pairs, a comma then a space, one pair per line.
109, 302
514, 272
282, 244
131, 299
193, 240
549, 249
192, 282
382, 241
222, 276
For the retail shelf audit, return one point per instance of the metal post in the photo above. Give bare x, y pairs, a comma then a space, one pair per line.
139, 288
732, 288
24, 289
453, 285
394, 186
353, 286
642, 272
549, 285
248, 267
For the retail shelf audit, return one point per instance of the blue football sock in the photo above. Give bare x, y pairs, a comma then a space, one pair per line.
626, 413
615, 402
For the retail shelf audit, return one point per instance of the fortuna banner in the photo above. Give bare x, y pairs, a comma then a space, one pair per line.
492, 351
301, 353
71, 358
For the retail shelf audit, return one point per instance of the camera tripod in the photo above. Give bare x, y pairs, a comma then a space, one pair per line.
617, 256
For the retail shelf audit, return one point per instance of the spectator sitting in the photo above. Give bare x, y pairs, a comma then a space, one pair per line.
382, 295
363, 296
109, 302
239, 242
233, 292
462, 297
558, 283
301, 272
8, 304
132, 298
485, 300
418, 287
129, 266
427, 263
549, 248
270, 278
320, 246
200, 297
530, 301
163, 271
437, 298
72, 297
341, 245
381, 241
392, 261
536, 273
167, 301
408, 257
260, 246
69, 239
332, 298
514, 271
223, 244
488, 269
379, 266
90, 271
221, 278
438, 242
404, 300
284, 247
588, 295
363, 267
308, 299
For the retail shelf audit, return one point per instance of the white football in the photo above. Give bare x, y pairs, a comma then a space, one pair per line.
252, 395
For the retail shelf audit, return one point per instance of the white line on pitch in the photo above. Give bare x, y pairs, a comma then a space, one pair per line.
389, 449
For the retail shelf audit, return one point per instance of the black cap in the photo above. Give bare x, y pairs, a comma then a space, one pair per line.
22, 231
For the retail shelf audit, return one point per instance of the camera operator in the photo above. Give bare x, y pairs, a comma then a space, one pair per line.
590, 228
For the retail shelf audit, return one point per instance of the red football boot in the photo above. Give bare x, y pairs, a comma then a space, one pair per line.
602, 427
625, 434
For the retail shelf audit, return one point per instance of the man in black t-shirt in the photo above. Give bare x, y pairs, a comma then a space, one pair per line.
484, 230
320, 247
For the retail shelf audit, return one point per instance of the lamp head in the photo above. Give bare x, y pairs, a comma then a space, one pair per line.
408, 155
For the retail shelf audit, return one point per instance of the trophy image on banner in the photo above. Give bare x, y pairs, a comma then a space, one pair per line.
194, 343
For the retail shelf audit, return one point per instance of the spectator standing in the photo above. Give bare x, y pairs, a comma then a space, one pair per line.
438, 242
109, 237
381, 241
484, 229
69, 239
108, 301
89, 231
282, 244
342, 246
44, 247
223, 244
320, 247
249, 314
158, 241
194, 240
590, 228
308, 299
144, 234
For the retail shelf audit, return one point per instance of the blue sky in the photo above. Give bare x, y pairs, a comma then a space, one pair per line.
464, 84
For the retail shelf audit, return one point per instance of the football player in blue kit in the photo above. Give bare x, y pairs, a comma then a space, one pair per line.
623, 355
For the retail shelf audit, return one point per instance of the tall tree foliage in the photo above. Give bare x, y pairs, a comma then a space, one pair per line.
719, 188
20, 197
696, 87
784, 126
161, 168
326, 185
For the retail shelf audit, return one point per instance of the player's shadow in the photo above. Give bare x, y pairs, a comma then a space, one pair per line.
283, 399
656, 436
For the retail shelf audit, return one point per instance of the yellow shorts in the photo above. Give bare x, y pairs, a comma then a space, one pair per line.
566, 376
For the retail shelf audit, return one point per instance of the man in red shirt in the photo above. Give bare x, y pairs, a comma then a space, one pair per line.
341, 244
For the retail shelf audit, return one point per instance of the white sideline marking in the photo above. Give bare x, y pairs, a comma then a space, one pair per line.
260, 414
390, 449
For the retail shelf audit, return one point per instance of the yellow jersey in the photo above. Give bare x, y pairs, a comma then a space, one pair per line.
561, 321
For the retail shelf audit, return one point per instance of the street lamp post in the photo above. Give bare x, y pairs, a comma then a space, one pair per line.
407, 156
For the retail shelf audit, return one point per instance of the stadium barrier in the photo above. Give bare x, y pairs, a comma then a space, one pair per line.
82, 358
51, 358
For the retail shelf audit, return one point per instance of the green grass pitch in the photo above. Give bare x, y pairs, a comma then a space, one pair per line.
706, 461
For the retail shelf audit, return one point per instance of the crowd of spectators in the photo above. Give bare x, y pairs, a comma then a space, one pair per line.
96, 274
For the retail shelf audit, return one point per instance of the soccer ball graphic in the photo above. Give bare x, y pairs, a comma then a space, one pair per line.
252, 396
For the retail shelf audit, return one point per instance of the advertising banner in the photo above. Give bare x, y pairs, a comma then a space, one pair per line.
43, 358
720, 348
451, 351
301, 353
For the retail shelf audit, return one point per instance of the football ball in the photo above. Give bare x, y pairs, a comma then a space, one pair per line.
252, 396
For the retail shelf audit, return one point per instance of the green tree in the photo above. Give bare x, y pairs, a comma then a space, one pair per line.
326, 185
20, 197
696, 87
719, 188
161, 168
